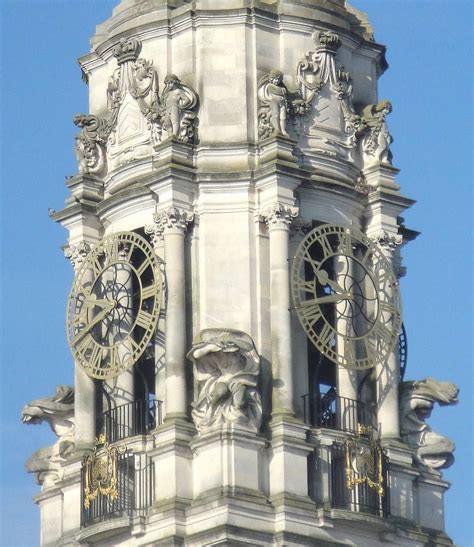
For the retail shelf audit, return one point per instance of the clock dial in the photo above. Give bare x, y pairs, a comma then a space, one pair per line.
114, 305
346, 296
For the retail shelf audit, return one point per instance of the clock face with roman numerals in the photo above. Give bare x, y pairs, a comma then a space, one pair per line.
114, 304
346, 296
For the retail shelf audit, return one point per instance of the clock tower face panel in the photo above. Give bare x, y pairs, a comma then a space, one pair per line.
346, 296
114, 304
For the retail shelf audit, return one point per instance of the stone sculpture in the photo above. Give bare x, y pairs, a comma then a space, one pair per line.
58, 412
226, 368
137, 118
417, 400
332, 125
178, 102
375, 137
273, 104
91, 144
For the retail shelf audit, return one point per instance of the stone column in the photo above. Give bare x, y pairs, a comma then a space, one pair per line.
278, 218
388, 373
345, 377
172, 223
84, 386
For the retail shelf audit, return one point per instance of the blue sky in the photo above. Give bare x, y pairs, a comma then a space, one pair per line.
430, 85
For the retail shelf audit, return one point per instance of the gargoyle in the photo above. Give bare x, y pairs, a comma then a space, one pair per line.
417, 400
58, 412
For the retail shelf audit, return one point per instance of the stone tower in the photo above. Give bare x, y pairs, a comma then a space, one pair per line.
235, 231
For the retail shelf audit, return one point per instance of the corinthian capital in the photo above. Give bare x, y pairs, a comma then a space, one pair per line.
77, 253
387, 241
279, 216
173, 220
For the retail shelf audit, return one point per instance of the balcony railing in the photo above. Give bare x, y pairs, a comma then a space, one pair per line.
361, 498
131, 419
338, 480
333, 412
134, 491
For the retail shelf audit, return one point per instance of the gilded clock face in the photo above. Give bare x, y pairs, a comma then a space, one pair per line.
114, 304
346, 296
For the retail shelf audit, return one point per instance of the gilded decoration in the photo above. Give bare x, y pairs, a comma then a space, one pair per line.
100, 470
364, 461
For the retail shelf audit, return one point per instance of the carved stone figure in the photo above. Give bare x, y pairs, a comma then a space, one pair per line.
273, 111
226, 368
91, 144
376, 139
178, 104
58, 412
417, 400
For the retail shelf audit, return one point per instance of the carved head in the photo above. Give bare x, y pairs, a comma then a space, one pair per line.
443, 393
171, 81
60, 405
384, 107
276, 76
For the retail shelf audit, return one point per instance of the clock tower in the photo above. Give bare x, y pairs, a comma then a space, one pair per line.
235, 318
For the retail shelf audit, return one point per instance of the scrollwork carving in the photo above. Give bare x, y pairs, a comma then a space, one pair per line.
333, 125
417, 401
91, 144
226, 367
58, 412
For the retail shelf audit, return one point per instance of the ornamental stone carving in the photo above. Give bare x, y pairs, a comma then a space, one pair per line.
91, 144
417, 400
226, 369
171, 219
58, 412
77, 253
137, 119
275, 104
178, 105
387, 241
279, 216
331, 124
375, 137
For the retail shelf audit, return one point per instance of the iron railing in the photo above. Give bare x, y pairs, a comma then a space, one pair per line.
135, 491
361, 498
131, 419
333, 412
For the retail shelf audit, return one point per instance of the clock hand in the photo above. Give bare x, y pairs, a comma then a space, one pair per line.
323, 278
326, 299
89, 326
100, 302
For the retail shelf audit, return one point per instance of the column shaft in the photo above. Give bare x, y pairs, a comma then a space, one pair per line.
175, 342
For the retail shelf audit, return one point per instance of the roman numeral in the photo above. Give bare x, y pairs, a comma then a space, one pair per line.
142, 268
326, 336
345, 243
326, 246
383, 334
144, 319
307, 286
148, 292
310, 315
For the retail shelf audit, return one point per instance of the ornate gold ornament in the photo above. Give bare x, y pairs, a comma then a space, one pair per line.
346, 296
100, 471
364, 465
114, 304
